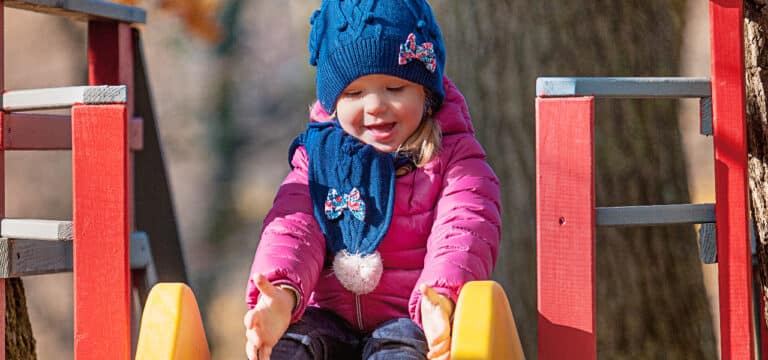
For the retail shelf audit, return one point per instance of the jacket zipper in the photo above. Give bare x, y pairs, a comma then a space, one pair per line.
359, 312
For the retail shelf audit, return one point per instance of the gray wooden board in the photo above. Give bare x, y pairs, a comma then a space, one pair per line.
705, 111
656, 215
24, 257
83, 10
154, 205
62, 97
33, 229
623, 87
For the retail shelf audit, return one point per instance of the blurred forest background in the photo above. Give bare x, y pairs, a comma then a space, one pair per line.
232, 87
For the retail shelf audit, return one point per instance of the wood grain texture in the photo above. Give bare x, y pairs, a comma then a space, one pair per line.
63, 97
83, 10
565, 218
101, 260
35, 229
26, 257
730, 144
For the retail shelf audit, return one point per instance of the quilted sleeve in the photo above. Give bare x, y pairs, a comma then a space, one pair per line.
464, 240
292, 247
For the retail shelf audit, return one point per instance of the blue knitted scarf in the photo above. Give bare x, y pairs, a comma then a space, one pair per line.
340, 168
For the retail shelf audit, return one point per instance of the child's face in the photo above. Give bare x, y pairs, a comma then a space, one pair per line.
381, 110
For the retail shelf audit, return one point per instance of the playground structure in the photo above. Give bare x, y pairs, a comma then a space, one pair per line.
122, 239
121, 202
119, 182
566, 214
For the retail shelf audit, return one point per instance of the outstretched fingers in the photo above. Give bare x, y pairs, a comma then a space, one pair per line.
265, 287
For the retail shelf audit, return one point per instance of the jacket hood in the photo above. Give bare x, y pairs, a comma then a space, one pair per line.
453, 116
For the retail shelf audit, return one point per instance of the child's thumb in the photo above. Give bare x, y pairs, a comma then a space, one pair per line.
429, 293
264, 286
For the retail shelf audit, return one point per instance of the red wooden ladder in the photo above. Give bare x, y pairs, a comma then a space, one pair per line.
566, 214
101, 132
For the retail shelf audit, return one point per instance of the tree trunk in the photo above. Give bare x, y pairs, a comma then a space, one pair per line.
650, 294
19, 341
756, 63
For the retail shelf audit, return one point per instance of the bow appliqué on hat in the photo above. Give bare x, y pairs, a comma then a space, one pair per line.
410, 51
335, 204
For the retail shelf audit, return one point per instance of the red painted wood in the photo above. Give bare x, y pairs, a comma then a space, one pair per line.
110, 62
100, 255
2, 175
731, 207
24, 131
37, 132
110, 56
565, 220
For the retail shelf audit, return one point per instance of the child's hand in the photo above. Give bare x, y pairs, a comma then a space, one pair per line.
436, 311
268, 320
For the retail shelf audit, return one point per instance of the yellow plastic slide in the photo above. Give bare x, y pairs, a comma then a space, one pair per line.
171, 327
483, 325
483, 328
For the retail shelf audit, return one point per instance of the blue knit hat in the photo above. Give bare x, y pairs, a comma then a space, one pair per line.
353, 38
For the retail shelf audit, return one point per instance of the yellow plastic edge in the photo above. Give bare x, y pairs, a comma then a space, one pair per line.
171, 326
483, 325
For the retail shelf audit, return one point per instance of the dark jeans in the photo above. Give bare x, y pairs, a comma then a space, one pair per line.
321, 335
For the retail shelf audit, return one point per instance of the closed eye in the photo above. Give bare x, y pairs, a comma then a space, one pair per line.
352, 93
395, 88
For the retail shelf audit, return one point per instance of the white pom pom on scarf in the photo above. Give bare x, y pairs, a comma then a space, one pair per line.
358, 273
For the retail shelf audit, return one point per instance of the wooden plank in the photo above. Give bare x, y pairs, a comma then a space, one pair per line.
100, 201
26, 257
2, 175
51, 132
705, 116
623, 87
21, 257
565, 221
35, 229
37, 132
155, 211
63, 97
652, 215
731, 207
83, 10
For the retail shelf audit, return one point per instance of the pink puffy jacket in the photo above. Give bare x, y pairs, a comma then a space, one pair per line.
445, 231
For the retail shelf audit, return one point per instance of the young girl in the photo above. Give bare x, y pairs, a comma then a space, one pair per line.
390, 207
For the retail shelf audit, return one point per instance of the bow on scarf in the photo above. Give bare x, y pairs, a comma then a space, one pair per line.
424, 53
335, 204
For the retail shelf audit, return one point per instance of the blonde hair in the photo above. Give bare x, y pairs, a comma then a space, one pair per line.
422, 146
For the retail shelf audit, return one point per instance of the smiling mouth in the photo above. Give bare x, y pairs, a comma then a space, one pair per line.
380, 130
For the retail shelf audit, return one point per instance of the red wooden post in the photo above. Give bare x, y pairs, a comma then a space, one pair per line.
565, 220
100, 256
2, 176
731, 207
102, 207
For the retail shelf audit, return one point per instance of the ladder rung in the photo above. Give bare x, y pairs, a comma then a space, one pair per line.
624, 87
656, 215
24, 257
63, 97
34, 229
83, 10
24, 131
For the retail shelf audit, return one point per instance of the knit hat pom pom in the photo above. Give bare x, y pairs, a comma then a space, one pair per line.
358, 273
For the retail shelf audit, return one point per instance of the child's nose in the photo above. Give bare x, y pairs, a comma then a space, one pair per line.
374, 103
